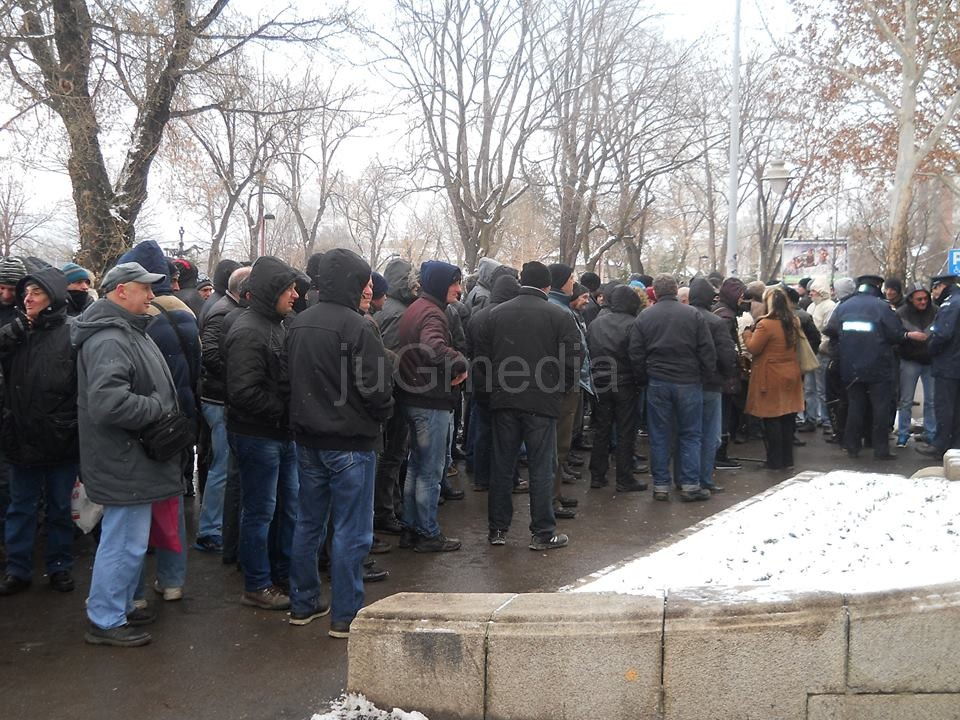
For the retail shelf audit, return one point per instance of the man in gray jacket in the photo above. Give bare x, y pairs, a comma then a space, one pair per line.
123, 386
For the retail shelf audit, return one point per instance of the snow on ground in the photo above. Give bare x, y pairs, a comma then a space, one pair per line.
357, 707
842, 532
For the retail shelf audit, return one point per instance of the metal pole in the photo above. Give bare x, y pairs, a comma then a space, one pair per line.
733, 179
261, 224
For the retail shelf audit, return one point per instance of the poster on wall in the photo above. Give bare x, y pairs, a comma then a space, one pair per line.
813, 258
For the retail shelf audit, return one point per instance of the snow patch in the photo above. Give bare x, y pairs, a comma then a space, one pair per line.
354, 706
842, 532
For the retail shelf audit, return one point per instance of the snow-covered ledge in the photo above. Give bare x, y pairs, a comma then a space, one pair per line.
719, 651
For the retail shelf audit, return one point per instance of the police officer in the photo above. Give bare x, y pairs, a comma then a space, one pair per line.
944, 348
866, 329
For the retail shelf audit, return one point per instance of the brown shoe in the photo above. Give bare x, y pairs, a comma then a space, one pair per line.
268, 598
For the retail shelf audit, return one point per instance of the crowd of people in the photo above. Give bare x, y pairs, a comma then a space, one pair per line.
325, 410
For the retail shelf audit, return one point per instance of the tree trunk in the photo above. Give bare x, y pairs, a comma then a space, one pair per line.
633, 257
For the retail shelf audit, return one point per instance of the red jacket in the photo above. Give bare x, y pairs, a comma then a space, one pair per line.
428, 360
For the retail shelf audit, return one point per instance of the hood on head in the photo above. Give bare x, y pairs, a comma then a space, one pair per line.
606, 290
915, 288
702, 293
485, 270
398, 274
151, 258
624, 299
313, 265
501, 271
221, 275
436, 277
507, 287
33, 264
268, 279
188, 273
820, 286
54, 284
844, 287
341, 278
104, 314
730, 292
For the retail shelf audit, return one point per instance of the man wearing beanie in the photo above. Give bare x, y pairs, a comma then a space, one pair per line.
79, 280
893, 292
533, 349
429, 373
380, 289
591, 281
12, 271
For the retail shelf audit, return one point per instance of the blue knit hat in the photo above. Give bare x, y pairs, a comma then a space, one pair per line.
380, 285
76, 273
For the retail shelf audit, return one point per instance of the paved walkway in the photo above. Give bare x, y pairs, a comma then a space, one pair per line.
213, 659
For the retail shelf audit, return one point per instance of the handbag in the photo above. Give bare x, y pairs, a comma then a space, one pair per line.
165, 525
169, 436
808, 360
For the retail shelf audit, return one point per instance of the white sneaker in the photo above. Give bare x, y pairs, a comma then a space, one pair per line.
169, 594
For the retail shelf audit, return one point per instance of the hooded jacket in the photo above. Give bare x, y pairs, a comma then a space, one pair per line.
671, 342
488, 270
505, 288
212, 388
402, 280
221, 278
562, 301
822, 308
702, 296
912, 319
123, 386
864, 329
173, 327
341, 387
256, 394
428, 361
609, 339
39, 365
944, 340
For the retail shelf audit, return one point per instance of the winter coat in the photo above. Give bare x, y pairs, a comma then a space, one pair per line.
506, 288
944, 343
727, 308
591, 311
671, 342
7, 313
173, 327
917, 351
221, 278
809, 328
822, 309
428, 359
39, 365
123, 386
701, 297
608, 338
192, 298
534, 349
399, 297
776, 384
563, 302
865, 329
256, 398
341, 386
212, 381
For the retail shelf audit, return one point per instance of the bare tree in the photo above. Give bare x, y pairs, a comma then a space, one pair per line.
471, 68
91, 63
20, 224
367, 205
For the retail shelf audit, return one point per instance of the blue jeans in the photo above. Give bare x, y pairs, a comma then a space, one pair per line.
712, 428
171, 566
681, 405
268, 481
26, 486
211, 510
426, 467
910, 373
811, 398
820, 375
336, 486
124, 533
511, 428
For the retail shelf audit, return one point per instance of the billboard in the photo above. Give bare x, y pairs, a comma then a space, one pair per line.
813, 258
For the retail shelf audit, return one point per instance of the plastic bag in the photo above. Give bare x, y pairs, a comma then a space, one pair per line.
165, 528
85, 512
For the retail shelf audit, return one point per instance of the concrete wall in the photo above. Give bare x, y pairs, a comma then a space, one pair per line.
711, 653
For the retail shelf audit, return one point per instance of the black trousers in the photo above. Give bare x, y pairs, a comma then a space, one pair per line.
618, 406
232, 503
873, 398
387, 500
778, 437
836, 392
946, 406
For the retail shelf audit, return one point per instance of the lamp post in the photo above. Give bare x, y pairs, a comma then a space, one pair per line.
777, 177
733, 178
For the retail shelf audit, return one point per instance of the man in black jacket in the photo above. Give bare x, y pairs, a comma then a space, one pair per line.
39, 429
221, 276
609, 338
341, 391
672, 352
213, 394
702, 297
258, 427
430, 369
945, 350
533, 348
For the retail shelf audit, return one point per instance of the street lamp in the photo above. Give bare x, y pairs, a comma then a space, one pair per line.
778, 176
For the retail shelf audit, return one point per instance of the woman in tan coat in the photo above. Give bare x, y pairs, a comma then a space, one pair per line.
776, 384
